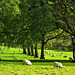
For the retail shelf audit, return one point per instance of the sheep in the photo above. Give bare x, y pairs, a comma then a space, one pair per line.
57, 64
49, 53
53, 55
26, 62
70, 58
65, 56
45, 51
61, 54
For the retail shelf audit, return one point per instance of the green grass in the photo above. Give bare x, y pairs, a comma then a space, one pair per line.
39, 67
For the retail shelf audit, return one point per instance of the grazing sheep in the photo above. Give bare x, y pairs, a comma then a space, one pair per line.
70, 58
53, 55
65, 56
61, 54
26, 62
45, 51
57, 64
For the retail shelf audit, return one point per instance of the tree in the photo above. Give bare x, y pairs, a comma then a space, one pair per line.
24, 50
32, 51
21, 24
36, 51
43, 23
8, 11
64, 11
29, 51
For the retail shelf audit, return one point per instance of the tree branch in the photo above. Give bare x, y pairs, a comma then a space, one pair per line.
53, 37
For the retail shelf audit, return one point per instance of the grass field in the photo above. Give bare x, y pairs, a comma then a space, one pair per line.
39, 66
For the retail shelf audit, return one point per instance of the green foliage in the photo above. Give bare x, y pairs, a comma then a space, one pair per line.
65, 10
1, 26
9, 9
60, 44
42, 21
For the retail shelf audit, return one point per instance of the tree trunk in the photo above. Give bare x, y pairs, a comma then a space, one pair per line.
73, 43
0, 59
36, 51
42, 48
32, 51
28, 51
24, 51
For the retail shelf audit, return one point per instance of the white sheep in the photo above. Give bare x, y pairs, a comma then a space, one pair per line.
53, 55
57, 64
49, 53
61, 54
26, 62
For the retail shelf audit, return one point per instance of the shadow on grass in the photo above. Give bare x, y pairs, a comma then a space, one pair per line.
40, 60
10, 53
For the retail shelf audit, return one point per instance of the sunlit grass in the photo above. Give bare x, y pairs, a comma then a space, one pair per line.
39, 66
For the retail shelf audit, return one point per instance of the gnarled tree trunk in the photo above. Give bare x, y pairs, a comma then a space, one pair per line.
32, 51
42, 48
28, 51
24, 51
0, 59
73, 43
36, 51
